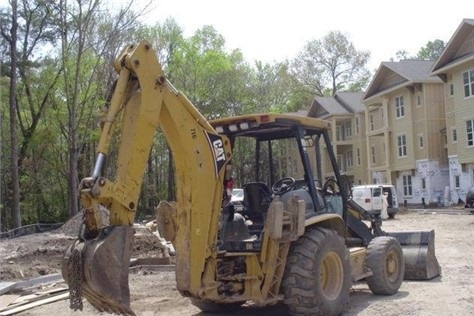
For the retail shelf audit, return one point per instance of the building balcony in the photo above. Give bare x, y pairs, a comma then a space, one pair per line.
378, 131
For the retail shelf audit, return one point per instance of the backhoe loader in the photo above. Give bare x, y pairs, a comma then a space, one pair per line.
300, 241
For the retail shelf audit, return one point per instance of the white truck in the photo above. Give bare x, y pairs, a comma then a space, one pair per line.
370, 197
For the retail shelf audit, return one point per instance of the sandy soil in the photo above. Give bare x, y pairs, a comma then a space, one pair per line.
154, 292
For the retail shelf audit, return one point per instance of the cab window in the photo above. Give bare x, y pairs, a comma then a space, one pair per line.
377, 192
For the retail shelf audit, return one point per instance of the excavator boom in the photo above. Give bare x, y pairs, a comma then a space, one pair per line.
143, 101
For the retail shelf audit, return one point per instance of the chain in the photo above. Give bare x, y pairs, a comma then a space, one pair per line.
75, 280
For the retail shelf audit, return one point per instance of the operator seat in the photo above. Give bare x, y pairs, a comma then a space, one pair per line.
257, 199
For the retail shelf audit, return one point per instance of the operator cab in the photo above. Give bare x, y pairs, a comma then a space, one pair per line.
281, 152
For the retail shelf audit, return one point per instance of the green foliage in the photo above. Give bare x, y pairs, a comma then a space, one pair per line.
431, 51
208, 75
331, 64
271, 87
65, 77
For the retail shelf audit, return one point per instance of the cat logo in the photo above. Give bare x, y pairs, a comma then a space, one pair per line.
218, 150
217, 146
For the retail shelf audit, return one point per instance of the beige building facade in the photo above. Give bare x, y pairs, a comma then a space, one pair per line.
404, 108
345, 111
413, 127
455, 67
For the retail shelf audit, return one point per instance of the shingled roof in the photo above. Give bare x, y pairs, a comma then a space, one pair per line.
341, 103
393, 75
458, 49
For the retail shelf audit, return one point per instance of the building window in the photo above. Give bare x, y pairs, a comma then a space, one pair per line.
469, 133
356, 127
399, 107
455, 135
423, 183
457, 182
348, 129
420, 140
338, 132
402, 145
371, 120
468, 81
451, 89
349, 158
358, 157
407, 186
418, 100
372, 151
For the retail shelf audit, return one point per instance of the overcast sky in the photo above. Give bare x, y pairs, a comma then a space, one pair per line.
274, 30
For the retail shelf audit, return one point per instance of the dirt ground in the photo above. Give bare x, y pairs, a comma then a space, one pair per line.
154, 292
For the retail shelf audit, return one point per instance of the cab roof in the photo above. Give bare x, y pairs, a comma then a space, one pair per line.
269, 126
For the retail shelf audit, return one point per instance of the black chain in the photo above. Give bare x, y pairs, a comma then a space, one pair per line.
75, 280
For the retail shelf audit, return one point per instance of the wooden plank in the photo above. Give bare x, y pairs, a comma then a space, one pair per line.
50, 278
153, 261
6, 287
7, 299
25, 307
29, 298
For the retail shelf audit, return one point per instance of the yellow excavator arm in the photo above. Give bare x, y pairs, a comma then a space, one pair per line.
144, 101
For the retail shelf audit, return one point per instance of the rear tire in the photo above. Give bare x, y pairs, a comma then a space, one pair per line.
317, 277
209, 306
385, 259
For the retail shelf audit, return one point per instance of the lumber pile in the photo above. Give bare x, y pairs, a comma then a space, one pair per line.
16, 297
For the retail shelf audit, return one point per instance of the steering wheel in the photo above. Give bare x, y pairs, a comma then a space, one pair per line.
283, 185
331, 187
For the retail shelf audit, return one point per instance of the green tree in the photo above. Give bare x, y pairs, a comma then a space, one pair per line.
329, 65
88, 38
200, 67
271, 87
431, 51
11, 37
400, 55
165, 38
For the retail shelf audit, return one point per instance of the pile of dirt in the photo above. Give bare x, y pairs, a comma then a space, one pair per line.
72, 226
32, 255
39, 254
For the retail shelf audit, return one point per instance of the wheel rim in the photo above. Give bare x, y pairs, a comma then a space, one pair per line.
332, 275
391, 265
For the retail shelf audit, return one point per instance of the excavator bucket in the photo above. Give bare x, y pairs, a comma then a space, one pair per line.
419, 254
98, 270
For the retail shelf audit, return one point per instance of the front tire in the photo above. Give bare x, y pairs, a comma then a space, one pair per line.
385, 259
317, 277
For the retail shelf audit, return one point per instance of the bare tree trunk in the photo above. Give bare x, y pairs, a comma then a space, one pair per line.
13, 124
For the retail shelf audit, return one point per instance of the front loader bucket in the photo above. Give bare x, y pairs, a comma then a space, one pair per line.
419, 254
98, 270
